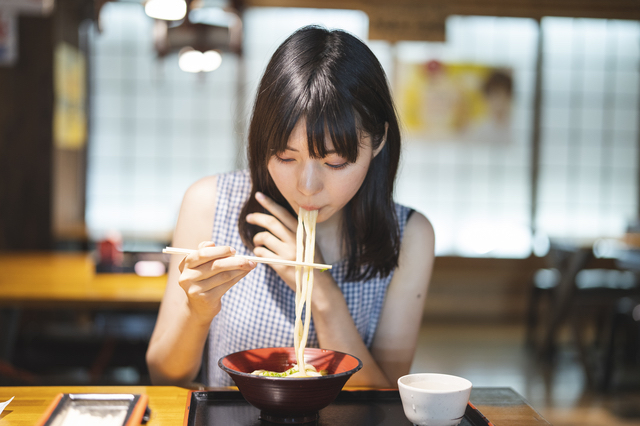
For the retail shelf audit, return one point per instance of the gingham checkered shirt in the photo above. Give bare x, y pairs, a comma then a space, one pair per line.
259, 311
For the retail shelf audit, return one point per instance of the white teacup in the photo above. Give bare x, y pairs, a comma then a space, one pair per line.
431, 399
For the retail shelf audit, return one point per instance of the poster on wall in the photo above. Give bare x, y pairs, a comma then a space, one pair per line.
455, 102
69, 114
8, 39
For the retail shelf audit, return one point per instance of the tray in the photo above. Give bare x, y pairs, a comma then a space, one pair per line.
96, 408
350, 408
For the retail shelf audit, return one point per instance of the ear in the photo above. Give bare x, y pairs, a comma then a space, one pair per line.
384, 140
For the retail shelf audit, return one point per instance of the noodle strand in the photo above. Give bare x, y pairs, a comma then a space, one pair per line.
304, 284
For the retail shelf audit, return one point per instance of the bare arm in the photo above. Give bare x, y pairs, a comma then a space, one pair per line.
194, 287
396, 337
395, 340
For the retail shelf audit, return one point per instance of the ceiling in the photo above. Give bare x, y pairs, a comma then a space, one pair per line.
425, 19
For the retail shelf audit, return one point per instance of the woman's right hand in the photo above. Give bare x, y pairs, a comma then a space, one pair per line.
207, 274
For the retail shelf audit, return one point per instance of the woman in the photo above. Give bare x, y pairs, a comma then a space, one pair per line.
323, 136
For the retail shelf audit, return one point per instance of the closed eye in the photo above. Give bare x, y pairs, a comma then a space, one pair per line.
283, 160
338, 166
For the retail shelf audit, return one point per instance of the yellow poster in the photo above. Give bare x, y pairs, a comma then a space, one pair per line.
455, 102
69, 115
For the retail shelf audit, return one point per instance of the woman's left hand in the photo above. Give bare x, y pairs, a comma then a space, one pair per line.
279, 238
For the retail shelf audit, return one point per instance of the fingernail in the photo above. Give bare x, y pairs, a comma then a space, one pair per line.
259, 196
252, 263
232, 250
249, 218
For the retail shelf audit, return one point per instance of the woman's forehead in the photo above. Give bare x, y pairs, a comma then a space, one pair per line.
299, 139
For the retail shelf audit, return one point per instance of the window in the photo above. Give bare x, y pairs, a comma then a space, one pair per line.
476, 193
155, 129
589, 147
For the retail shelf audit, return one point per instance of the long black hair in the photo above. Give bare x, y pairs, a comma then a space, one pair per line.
331, 79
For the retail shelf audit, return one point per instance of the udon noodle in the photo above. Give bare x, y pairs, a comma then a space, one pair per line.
305, 252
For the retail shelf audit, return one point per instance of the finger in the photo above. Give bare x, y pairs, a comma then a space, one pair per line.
266, 239
228, 278
277, 210
218, 267
281, 270
223, 288
204, 244
273, 225
213, 274
207, 254
265, 252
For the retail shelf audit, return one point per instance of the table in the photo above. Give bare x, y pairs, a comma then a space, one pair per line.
502, 406
62, 281
167, 403
59, 279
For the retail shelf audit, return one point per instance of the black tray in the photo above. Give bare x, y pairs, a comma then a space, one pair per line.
350, 408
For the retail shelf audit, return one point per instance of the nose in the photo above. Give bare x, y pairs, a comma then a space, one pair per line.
310, 178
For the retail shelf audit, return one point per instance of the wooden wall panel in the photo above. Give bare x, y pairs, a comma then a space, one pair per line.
480, 289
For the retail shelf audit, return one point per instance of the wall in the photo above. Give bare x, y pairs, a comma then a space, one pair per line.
479, 289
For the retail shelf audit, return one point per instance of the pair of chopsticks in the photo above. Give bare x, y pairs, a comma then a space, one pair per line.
176, 250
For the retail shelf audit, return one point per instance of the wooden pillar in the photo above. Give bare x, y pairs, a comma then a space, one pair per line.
536, 131
41, 185
26, 110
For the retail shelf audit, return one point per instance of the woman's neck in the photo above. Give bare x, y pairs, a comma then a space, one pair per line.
329, 238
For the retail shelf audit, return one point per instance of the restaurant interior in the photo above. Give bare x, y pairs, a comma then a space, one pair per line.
521, 139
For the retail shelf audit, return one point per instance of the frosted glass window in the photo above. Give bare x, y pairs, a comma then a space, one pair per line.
157, 129
154, 128
477, 194
588, 170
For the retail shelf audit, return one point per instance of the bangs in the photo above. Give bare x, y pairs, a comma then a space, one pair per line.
325, 111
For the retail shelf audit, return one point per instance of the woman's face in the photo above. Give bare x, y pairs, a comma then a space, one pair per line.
324, 184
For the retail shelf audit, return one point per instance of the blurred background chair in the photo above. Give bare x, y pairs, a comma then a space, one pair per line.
620, 362
577, 293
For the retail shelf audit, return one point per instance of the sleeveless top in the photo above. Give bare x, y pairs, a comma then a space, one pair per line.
259, 311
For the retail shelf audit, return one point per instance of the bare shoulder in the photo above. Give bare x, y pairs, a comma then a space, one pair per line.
202, 191
197, 213
417, 253
418, 235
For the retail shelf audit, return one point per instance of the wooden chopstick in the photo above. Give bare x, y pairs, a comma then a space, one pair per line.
176, 250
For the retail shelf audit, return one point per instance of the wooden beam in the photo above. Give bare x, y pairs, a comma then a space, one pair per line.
394, 22
604, 9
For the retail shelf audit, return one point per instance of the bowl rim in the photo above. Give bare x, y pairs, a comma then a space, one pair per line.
460, 384
327, 377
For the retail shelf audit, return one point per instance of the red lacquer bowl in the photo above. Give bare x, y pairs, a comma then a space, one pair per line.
289, 400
